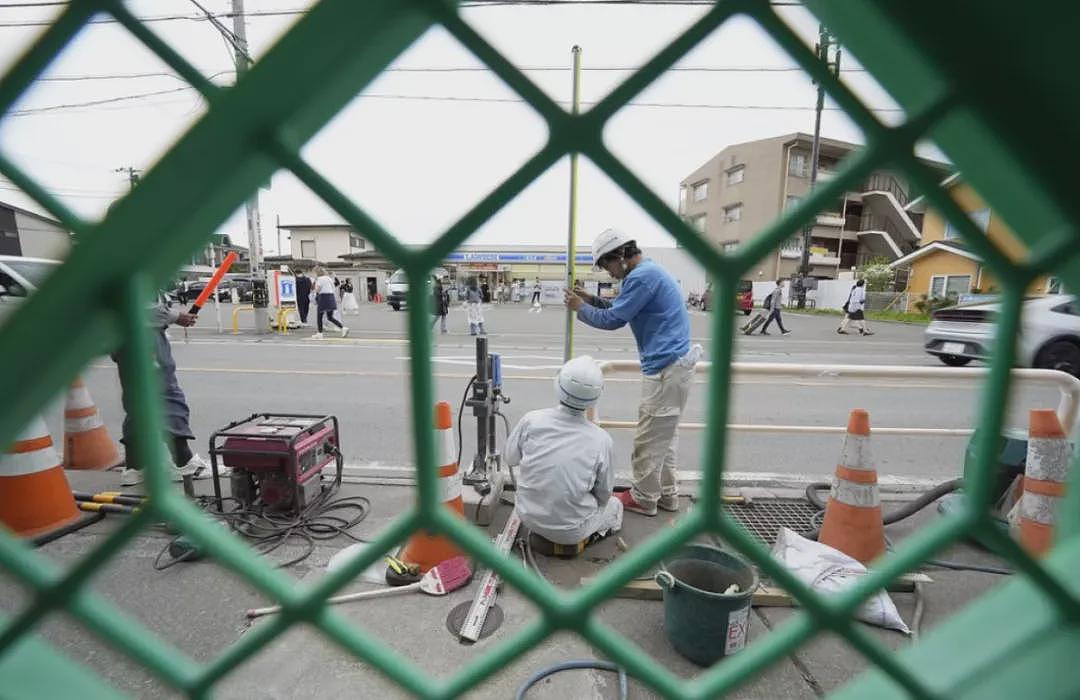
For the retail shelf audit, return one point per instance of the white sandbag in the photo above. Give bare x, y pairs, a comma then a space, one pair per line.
828, 570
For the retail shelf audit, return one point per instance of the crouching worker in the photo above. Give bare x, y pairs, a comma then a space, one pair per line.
565, 467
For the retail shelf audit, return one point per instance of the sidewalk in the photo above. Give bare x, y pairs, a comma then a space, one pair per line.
199, 607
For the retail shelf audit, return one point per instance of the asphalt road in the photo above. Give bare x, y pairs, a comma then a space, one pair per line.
364, 381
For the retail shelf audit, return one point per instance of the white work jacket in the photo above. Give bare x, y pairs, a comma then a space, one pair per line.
565, 473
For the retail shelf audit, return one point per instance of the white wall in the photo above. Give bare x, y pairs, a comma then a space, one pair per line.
830, 294
687, 272
330, 243
39, 238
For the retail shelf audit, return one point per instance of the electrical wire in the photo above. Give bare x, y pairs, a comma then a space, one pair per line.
588, 664
325, 518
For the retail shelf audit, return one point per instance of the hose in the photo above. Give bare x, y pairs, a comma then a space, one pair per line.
906, 511
901, 513
571, 666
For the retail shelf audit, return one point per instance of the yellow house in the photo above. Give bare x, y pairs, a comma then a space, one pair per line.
944, 267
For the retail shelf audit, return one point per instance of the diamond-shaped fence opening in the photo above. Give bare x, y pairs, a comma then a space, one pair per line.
246, 131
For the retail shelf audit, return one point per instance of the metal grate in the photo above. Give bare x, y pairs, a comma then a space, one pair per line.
764, 518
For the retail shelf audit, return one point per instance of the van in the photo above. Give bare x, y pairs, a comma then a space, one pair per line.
397, 288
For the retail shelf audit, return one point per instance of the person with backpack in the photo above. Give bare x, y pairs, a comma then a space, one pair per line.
773, 303
853, 310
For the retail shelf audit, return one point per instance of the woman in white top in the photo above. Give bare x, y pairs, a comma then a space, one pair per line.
326, 303
854, 307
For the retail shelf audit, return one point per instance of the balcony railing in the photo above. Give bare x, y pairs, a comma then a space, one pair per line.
882, 182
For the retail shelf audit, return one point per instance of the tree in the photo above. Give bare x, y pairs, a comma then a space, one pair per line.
878, 275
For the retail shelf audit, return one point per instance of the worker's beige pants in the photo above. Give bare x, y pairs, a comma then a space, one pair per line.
663, 400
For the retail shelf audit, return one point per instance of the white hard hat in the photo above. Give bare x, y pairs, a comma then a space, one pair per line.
609, 240
579, 383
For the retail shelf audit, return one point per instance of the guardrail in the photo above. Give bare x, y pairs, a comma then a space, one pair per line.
1068, 385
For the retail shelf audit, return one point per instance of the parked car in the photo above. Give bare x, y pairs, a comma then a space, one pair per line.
1049, 333
398, 287
195, 288
20, 277
744, 296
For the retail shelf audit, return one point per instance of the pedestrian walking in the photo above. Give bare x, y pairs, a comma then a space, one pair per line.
853, 310
177, 413
440, 304
303, 296
474, 298
536, 306
325, 304
349, 304
773, 302
651, 303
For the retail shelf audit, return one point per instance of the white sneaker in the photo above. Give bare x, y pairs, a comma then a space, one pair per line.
316, 336
131, 477
344, 331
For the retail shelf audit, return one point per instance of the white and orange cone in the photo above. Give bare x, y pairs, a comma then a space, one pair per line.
853, 514
424, 548
1048, 457
87, 444
35, 497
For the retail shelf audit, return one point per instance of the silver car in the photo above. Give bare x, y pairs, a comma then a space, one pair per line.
1049, 333
20, 277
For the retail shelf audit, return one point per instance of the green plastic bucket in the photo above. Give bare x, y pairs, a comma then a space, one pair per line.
702, 622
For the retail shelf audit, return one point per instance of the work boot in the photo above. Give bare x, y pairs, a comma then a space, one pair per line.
669, 503
630, 504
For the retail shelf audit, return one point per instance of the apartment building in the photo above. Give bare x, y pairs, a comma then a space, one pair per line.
746, 187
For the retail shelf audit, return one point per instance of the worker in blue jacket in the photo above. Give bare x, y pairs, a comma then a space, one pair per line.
651, 303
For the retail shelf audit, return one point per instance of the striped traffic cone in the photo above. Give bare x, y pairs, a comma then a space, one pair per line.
425, 548
34, 494
1048, 457
853, 514
87, 444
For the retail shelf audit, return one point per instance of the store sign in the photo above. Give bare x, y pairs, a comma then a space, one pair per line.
495, 257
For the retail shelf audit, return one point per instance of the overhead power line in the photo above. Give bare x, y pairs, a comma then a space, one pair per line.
438, 98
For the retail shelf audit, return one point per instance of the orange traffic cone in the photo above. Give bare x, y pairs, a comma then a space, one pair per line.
34, 493
424, 548
87, 444
1047, 467
853, 514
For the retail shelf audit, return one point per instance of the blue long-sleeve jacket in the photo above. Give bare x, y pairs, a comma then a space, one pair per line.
650, 301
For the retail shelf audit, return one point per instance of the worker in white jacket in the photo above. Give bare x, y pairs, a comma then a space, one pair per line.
854, 307
565, 465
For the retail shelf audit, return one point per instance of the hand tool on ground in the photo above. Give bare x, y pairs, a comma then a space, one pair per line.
489, 586
110, 497
399, 573
448, 576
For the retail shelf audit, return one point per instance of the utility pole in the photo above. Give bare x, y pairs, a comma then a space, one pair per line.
571, 240
132, 175
825, 42
251, 207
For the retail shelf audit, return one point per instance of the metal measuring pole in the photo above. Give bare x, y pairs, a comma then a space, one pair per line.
571, 241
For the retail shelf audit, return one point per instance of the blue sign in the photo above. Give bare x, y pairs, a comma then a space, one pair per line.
493, 257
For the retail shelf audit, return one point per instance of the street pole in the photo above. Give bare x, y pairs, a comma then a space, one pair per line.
132, 175
824, 42
571, 239
251, 206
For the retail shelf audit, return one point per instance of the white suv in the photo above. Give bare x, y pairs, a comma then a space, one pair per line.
1049, 333
20, 277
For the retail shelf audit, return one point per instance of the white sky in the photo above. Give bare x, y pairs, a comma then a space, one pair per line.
418, 164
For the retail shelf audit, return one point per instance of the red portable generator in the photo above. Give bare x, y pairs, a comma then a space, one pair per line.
277, 459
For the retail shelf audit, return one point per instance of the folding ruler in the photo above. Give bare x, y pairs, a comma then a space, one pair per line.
489, 587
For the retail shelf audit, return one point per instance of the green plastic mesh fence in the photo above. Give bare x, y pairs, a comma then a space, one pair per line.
249, 132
